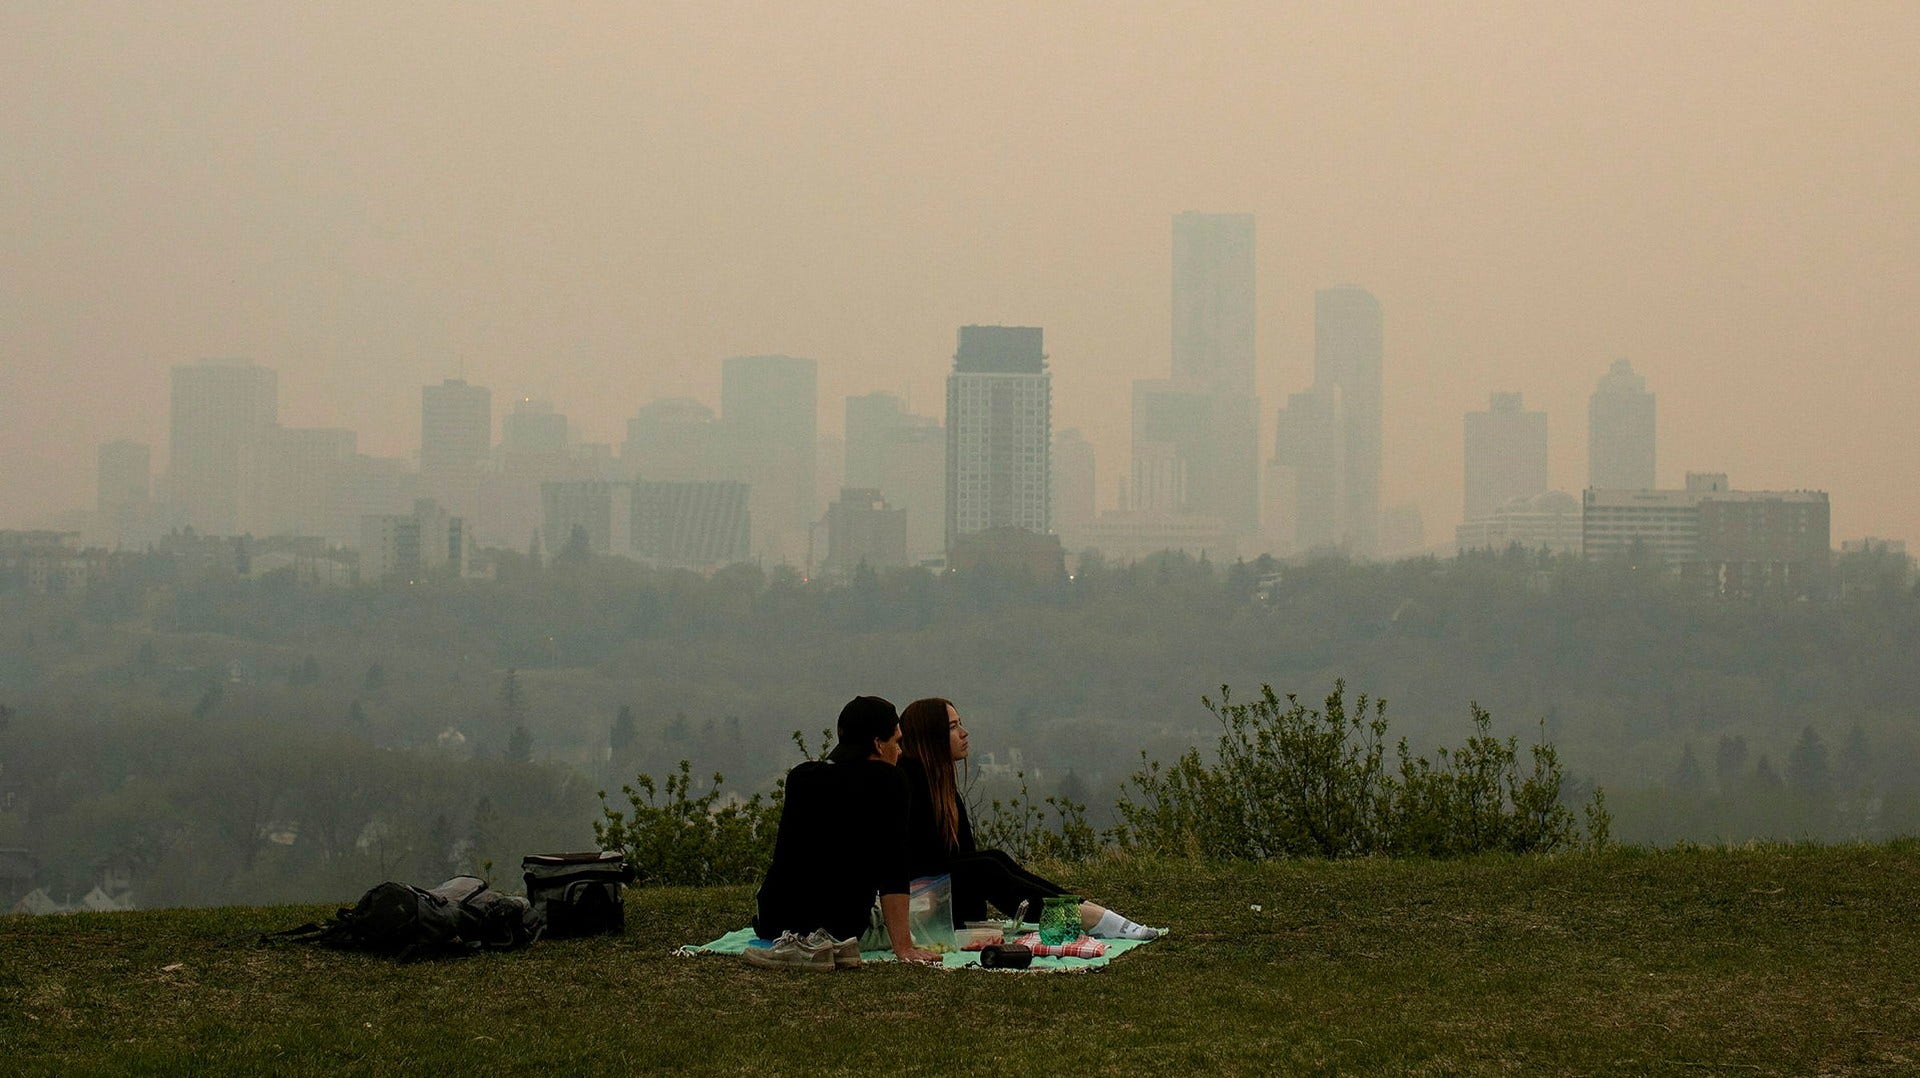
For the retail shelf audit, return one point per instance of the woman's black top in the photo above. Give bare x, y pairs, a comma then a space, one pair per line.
842, 840
927, 853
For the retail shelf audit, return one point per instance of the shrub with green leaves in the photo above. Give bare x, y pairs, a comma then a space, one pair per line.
671, 835
1291, 781
1020, 827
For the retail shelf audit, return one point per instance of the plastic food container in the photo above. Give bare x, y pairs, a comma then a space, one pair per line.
972, 937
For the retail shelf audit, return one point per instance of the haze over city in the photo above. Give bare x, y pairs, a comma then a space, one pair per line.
595, 205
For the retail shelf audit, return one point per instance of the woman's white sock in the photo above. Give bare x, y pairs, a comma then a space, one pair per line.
1112, 926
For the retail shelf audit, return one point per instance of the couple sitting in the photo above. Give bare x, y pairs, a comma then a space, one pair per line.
880, 810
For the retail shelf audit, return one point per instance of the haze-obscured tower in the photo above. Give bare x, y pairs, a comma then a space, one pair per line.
999, 432
1506, 455
1620, 447
1347, 351
456, 437
770, 408
1213, 355
223, 411
1074, 482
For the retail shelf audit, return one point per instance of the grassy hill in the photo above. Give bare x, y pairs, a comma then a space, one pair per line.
1766, 960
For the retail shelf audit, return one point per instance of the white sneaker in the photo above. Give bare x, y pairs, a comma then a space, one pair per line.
787, 952
846, 952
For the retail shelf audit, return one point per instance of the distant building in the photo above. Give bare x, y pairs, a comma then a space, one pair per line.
690, 525
581, 507
1547, 521
770, 407
1348, 357
1620, 431
1213, 353
677, 438
456, 438
913, 479
1307, 481
1196, 449
218, 449
1736, 542
1506, 455
862, 529
308, 465
425, 541
999, 433
47, 562
1011, 552
1134, 535
534, 449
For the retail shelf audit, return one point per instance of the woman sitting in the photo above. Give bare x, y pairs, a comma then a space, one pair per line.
940, 837
842, 838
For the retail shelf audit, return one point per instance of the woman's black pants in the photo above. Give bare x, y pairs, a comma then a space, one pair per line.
992, 876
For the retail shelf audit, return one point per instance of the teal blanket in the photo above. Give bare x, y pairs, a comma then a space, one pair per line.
736, 941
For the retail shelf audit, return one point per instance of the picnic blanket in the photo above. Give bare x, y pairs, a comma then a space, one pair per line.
736, 941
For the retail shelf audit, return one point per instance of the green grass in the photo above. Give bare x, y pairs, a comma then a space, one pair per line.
1773, 960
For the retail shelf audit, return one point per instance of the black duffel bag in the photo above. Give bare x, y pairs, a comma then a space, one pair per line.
578, 894
461, 916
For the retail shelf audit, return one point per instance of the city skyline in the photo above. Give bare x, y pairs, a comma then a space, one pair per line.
1729, 215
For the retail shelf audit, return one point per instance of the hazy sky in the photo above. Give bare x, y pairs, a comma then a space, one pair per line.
595, 204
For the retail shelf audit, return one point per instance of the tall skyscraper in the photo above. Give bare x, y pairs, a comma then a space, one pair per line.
308, 467
1213, 355
456, 437
1308, 478
1620, 449
999, 432
770, 408
217, 467
676, 439
1506, 455
1347, 349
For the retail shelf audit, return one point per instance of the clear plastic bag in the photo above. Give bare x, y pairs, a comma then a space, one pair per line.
930, 912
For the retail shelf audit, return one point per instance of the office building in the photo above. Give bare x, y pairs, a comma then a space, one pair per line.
913, 479
580, 514
1733, 542
697, 525
862, 529
1213, 357
1506, 455
308, 464
1307, 481
426, 541
1347, 357
456, 439
218, 453
1547, 521
769, 405
677, 439
999, 432
1620, 442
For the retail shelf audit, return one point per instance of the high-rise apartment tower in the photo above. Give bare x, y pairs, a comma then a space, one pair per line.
999, 432
1620, 448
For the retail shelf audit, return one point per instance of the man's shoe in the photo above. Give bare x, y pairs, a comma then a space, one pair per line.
846, 952
787, 952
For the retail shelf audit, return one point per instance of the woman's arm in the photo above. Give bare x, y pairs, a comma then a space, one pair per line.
893, 910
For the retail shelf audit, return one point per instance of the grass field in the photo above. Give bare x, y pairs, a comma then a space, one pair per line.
1775, 960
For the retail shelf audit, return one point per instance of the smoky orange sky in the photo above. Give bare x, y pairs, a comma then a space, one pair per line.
595, 204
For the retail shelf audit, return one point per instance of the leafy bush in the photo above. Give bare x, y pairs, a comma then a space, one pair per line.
1019, 826
672, 836
1290, 781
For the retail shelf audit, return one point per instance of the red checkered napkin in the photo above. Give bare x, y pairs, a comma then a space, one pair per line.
1084, 947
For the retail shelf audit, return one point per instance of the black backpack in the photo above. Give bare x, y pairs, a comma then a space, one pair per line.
578, 894
461, 916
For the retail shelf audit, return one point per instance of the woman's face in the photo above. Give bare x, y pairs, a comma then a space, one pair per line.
956, 735
888, 749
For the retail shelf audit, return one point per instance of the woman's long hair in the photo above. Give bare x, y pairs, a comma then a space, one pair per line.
926, 738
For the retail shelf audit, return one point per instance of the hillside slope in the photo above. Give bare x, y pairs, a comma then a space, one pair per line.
1771, 960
